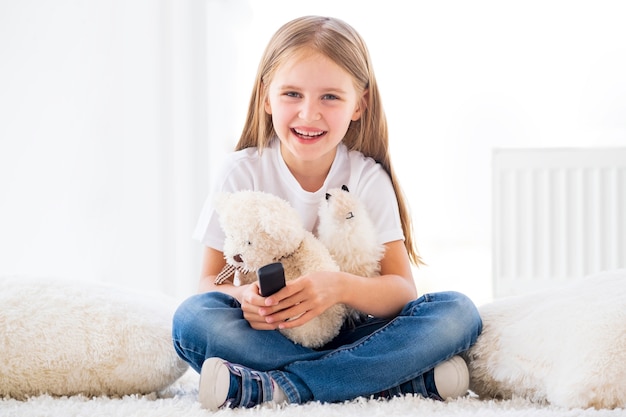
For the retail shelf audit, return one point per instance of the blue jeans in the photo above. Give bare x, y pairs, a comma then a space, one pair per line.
365, 359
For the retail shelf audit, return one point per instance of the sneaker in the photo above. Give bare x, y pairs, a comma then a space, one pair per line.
452, 378
226, 384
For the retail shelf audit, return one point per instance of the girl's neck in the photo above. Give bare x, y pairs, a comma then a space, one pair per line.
310, 183
311, 175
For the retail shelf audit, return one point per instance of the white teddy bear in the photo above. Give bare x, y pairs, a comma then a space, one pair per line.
348, 232
260, 229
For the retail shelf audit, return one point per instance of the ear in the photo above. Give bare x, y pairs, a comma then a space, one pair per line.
361, 105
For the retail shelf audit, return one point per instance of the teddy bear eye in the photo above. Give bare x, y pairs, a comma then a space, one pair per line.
249, 243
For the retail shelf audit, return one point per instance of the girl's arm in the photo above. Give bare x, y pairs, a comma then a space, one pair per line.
212, 263
386, 295
383, 296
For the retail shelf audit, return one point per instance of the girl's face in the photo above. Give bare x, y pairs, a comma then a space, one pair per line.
312, 101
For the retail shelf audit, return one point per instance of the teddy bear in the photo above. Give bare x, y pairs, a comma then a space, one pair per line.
261, 228
347, 230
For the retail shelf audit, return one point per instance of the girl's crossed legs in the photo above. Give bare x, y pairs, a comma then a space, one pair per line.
373, 357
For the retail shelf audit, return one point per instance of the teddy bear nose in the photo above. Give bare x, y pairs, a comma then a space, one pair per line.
238, 258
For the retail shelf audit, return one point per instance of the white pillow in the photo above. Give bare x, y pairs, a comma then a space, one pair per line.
565, 346
67, 338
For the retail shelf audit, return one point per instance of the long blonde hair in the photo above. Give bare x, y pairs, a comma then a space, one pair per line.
339, 42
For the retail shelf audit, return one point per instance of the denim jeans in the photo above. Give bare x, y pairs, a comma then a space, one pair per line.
365, 359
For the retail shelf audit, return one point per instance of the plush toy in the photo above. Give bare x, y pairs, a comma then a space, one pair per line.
348, 232
260, 229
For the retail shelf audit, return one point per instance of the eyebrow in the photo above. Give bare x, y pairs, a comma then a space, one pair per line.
325, 89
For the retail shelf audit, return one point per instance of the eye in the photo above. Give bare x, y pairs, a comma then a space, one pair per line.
249, 243
293, 94
330, 97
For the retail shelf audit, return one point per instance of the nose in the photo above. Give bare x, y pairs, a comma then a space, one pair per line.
309, 111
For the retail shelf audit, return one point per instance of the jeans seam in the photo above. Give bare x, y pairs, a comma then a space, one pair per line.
290, 390
184, 349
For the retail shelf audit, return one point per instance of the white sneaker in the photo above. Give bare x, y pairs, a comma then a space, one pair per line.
452, 378
249, 387
214, 384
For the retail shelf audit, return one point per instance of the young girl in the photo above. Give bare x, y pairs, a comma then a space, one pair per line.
316, 122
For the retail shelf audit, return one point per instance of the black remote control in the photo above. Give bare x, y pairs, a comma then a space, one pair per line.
271, 278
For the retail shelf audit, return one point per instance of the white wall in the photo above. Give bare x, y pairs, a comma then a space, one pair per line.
102, 139
113, 113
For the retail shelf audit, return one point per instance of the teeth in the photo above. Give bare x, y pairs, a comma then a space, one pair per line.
309, 134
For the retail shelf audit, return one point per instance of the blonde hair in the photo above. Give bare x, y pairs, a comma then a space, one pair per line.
339, 42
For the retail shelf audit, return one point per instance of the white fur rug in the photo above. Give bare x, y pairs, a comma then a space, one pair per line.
180, 400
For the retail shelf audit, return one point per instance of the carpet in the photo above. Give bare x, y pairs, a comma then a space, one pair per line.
180, 400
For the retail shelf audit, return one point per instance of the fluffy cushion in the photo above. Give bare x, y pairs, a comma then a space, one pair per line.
566, 345
66, 338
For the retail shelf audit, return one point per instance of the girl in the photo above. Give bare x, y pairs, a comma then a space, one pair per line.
316, 122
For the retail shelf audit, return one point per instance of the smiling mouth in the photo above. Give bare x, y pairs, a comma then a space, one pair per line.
308, 135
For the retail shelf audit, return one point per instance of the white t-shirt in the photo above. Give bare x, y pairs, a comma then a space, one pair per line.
249, 170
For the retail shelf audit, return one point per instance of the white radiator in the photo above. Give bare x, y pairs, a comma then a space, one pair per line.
558, 214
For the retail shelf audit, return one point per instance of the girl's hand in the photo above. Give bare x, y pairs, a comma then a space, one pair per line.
300, 300
251, 304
